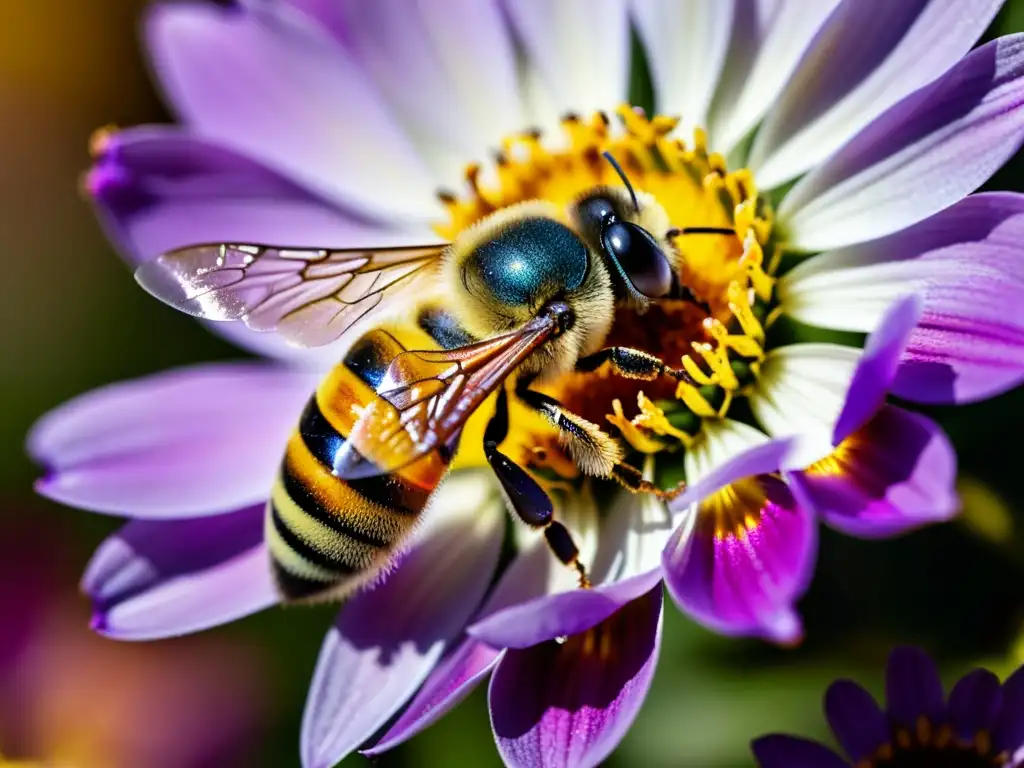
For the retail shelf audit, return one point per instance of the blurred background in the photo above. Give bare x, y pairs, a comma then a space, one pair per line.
73, 319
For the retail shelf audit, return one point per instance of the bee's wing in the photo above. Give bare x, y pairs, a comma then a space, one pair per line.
309, 296
426, 397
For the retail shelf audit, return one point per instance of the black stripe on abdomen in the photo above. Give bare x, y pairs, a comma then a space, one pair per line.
307, 551
388, 490
295, 587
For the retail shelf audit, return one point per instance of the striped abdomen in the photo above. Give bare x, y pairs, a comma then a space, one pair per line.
327, 535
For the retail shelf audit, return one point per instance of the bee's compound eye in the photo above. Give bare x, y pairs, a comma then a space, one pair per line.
640, 258
526, 261
593, 214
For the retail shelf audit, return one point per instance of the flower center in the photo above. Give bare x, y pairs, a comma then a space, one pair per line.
720, 344
928, 747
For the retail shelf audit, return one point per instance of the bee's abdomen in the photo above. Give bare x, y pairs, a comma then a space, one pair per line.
327, 535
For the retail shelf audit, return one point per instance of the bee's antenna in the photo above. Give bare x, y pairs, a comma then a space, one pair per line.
622, 175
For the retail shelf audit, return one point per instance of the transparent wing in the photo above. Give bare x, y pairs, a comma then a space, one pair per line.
310, 297
426, 397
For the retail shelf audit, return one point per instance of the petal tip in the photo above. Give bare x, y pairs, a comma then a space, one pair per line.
786, 630
99, 623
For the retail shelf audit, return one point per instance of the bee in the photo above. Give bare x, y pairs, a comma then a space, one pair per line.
529, 293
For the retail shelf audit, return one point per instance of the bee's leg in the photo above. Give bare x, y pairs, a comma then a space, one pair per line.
632, 364
527, 499
594, 451
632, 479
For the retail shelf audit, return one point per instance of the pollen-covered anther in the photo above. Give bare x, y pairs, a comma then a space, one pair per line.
638, 436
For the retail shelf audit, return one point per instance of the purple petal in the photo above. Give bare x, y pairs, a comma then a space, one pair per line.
160, 188
1008, 734
913, 687
190, 442
922, 155
472, 660
744, 560
781, 751
155, 579
566, 613
861, 62
965, 263
570, 703
855, 718
974, 703
876, 368
387, 639
969, 344
763, 459
895, 474
261, 79
450, 682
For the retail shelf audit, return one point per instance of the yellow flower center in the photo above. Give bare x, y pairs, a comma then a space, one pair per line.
722, 350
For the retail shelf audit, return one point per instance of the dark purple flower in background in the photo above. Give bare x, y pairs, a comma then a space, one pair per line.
981, 725
334, 123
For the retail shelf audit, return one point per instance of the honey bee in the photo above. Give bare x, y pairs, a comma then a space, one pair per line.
529, 293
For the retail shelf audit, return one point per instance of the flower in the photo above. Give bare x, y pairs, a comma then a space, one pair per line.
844, 128
982, 724
70, 698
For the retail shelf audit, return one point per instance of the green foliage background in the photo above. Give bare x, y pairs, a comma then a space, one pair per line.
73, 319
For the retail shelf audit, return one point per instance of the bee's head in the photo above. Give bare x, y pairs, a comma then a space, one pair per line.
505, 269
619, 228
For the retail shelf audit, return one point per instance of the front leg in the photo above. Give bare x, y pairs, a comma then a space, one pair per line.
632, 364
591, 449
525, 497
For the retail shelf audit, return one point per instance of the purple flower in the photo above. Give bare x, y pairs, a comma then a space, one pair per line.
981, 724
69, 697
335, 123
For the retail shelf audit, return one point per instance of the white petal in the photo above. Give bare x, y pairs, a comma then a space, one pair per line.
634, 531
778, 35
801, 391
579, 49
448, 69
387, 639
864, 61
721, 441
686, 42
850, 289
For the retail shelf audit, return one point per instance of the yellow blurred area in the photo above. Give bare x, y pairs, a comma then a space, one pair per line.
986, 513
